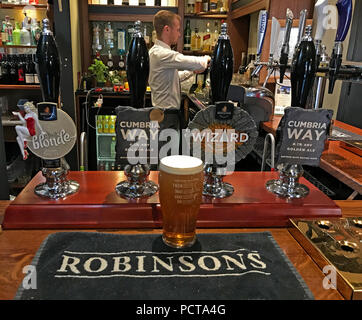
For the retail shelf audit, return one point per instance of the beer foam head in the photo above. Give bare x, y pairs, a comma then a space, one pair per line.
181, 165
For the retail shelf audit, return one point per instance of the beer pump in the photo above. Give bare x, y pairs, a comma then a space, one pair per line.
137, 184
262, 27
274, 35
283, 61
344, 8
301, 28
316, 96
303, 70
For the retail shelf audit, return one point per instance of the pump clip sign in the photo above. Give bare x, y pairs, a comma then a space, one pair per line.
302, 136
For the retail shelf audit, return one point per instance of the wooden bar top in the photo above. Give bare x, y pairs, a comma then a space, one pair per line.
18, 247
342, 164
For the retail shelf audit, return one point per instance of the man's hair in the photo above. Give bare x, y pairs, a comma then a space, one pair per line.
164, 18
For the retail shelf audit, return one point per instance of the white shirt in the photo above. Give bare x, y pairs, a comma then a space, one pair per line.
167, 70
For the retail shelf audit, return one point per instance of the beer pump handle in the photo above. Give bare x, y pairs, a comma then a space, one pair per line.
320, 16
262, 26
274, 36
302, 21
344, 8
285, 48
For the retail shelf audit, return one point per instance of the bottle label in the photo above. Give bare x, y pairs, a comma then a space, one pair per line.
36, 78
206, 37
21, 75
29, 78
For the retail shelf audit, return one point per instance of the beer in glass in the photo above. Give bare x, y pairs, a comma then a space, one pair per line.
181, 183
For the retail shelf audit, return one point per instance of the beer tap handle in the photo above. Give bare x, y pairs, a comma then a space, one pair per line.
262, 27
302, 21
285, 48
344, 8
319, 28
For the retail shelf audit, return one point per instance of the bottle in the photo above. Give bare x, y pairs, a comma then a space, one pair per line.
206, 40
198, 6
99, 124
48, 64
4, 70
113, 147
213, 5
35, 32
215, 35
205, 6
13, 70
33, 69
96, 46
121, 63
25, 39
122, 41
108, 37
222, 65
190, 6
196, 41
187, 37
303, 70
21, 70
138, 67
16, 34
29, 74
112, 124
4, 33
105, 124
9, 30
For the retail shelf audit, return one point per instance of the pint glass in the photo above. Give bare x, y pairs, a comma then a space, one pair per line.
181, 183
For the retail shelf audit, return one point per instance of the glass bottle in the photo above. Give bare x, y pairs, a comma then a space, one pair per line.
35, 32
206, 41
96, 46
13, 70
9, 30
205, 6
21, 70
105, 124
198, 6
108, 36
29, 74
25, 36
138, 67
187, 36
196, 41
110, 63
4, 33
48, 64
303, 70
99, 124
5, 70
190, 6
16, 34
215, 35
222, 67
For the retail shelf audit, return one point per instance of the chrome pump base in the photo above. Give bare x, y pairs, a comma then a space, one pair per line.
287, 185
137, 184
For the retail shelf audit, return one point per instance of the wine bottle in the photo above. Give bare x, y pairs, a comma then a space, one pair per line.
222, 65
187, 37
138, 67
48, 64
303, 70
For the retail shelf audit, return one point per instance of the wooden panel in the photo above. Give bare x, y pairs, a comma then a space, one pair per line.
238, 30
278, 8
249, 8
96, 205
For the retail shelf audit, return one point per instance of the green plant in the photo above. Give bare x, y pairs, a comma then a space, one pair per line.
98, 70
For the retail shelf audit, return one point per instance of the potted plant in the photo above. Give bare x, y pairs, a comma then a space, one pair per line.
99, 71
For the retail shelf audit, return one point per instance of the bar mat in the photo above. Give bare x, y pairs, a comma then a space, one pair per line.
340, 134
87, 265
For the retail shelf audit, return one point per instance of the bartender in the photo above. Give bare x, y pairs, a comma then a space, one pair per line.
169, 67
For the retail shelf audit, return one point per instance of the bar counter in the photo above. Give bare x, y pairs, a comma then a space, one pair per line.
18, 247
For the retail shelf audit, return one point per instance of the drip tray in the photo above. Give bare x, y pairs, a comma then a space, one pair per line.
336, 246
